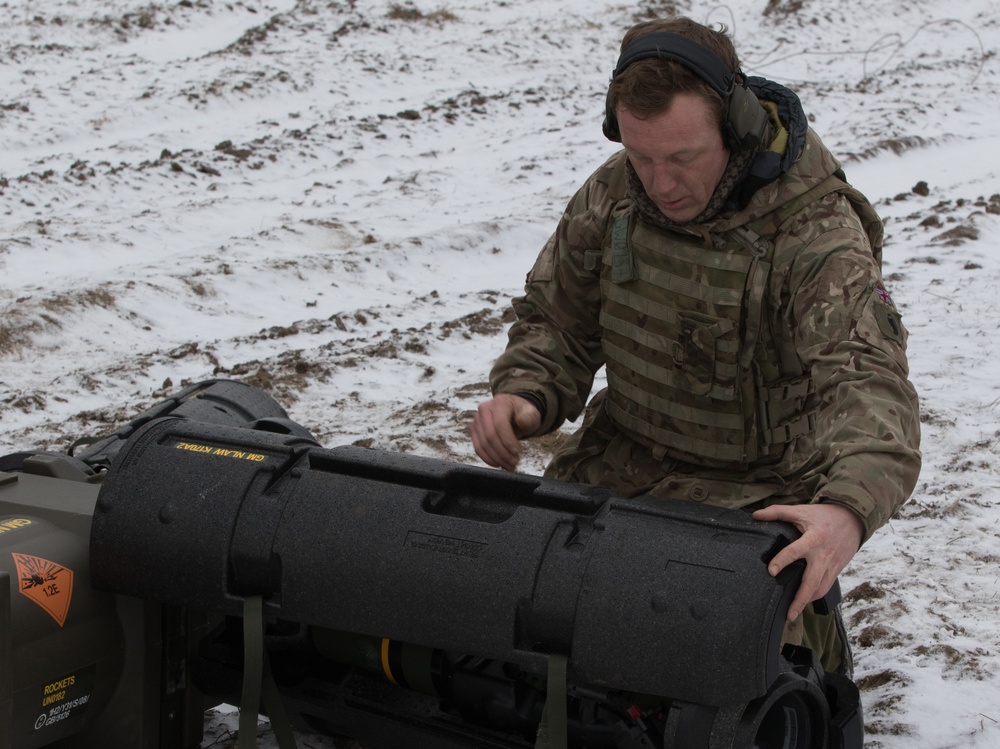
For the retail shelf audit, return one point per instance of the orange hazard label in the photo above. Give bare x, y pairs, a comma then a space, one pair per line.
48, 584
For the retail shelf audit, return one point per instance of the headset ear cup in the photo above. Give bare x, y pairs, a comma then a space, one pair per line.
745, 118
610, 126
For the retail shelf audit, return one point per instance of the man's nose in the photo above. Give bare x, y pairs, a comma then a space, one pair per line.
664, 180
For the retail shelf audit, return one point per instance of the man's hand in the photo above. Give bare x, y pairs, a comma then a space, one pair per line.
831, 535
498, 426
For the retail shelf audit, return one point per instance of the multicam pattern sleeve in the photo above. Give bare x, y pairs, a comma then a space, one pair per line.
846, 330
554, 347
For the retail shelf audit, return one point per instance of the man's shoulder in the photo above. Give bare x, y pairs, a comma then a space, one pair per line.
813, 196
611, 174
604, 189
813, 167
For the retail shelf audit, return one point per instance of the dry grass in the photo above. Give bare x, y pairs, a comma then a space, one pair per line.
406, 12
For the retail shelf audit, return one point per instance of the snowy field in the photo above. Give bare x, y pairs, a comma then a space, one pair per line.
334, 201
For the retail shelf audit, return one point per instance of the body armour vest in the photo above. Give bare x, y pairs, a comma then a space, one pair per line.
690, 372
693, 370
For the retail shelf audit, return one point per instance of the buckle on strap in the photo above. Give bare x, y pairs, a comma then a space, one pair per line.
791, 429
793, 389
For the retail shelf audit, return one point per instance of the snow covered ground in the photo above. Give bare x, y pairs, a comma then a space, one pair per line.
335, 200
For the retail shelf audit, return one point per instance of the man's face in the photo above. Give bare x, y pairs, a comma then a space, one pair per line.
678, 154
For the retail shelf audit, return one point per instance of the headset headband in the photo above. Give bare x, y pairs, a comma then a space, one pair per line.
744, 120
696, 57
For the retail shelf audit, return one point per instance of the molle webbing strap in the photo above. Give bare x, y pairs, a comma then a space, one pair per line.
662, 375
257, 679
553, 731
797, 388
717, 257
769, 399
650, 308
800, 425
689, 288
756, 290
676, 410
673, 284
621, 255
622, 264
669, 345
642, 305
758, 272
253, 670
673, 440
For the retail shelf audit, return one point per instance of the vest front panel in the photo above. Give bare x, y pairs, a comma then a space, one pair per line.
673, 320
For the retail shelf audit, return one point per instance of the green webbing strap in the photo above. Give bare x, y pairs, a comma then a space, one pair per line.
257, 678
253, 670
82, 442
622, 265
552, 731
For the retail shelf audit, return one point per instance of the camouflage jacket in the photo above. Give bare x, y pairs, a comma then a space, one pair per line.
825, 317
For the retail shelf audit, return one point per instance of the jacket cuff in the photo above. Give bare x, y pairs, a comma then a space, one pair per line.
536, 400
863, 506
539, 398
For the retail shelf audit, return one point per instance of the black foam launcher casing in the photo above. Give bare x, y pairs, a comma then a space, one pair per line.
652, 595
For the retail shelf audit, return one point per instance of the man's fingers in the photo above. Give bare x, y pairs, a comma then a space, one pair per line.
808, 591
787, 513
783, 558
493, 451
830, 536
493, 435
811, 577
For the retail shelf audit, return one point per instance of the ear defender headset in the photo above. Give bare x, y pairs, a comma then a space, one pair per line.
744, 119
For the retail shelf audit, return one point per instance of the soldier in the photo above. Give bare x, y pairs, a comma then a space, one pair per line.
729, 280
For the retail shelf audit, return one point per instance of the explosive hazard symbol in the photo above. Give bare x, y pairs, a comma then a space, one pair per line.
48, 584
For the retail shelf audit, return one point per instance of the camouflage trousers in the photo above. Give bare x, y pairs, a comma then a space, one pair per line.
600, 455
826, 636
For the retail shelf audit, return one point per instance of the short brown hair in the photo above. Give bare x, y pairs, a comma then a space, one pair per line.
648, 87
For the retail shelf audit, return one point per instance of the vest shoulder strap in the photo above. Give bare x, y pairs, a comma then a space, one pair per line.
770, 224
